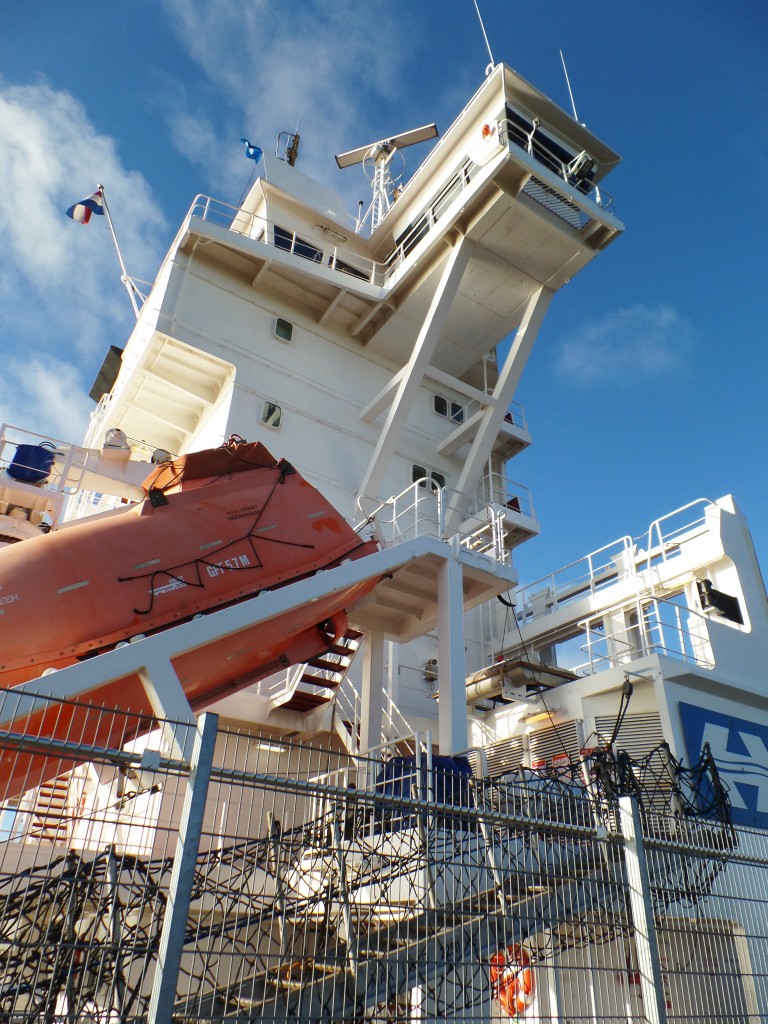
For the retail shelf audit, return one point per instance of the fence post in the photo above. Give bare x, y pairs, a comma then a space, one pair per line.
641, 905
163, 998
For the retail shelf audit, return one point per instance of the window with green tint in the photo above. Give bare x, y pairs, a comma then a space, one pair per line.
271, 415
283, 329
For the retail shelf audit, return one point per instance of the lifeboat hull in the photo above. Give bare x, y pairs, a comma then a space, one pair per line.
215, 528
196, 543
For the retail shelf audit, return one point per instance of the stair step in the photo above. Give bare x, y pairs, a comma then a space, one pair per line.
319, 681
329, 666
341, 649
305, 701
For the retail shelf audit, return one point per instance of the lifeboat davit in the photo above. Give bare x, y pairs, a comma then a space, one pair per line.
215, 527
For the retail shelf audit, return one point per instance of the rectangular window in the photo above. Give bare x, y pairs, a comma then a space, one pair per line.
448, 408
283, 329
271, 415
292, 243
427, 477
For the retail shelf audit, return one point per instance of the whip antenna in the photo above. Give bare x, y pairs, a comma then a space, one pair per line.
492, 65
570, 91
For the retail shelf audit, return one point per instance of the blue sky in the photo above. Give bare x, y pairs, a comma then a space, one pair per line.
646, 387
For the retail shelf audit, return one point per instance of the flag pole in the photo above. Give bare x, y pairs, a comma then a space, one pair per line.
125, 278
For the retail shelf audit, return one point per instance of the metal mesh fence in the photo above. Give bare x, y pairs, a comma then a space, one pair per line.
324, 886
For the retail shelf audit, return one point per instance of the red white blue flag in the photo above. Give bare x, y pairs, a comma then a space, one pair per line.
82, 211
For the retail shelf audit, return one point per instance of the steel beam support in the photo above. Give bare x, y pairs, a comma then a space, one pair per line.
380, 401
646, 943
372, 695
169, 702
163, 998
409, 385
503, 392
451, 673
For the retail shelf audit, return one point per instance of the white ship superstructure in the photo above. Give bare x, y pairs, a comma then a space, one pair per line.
430, 819
370, 361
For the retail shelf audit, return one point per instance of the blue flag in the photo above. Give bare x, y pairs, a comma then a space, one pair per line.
252, 152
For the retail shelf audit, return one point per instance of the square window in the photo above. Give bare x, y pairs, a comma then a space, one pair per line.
271, 415
441, 405
283, 329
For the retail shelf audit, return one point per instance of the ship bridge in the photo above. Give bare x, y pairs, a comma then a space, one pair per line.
506, 208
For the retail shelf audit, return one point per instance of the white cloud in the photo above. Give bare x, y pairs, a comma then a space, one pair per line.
316, 67
46, 395
634, 344
61, 300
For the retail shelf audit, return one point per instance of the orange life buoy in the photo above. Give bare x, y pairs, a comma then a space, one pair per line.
514, 985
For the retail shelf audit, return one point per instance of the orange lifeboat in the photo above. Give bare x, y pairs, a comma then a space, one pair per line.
514, 985
215, 527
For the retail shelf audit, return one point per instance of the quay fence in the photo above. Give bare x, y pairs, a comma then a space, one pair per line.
159, 871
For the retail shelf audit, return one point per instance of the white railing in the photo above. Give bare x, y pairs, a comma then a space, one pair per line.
395, 729
659, 629
514, 416
605, 566
423, 509
534, 145
318, 248
664, 534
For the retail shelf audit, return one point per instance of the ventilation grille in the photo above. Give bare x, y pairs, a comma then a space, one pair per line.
504, 756
554, 743
639, 734
547, 196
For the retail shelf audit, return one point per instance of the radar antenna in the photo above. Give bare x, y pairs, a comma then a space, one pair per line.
380, 154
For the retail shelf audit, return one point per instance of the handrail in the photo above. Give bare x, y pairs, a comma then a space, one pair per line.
423, 508
622, 556
535, 147
672, 638
314, 247
666, 539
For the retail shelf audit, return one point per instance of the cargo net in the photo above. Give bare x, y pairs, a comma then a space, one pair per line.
429, 893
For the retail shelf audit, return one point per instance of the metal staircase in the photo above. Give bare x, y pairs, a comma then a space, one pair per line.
51, 814
313, 684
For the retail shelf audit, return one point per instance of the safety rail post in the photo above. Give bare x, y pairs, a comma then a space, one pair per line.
163, 998
641, 906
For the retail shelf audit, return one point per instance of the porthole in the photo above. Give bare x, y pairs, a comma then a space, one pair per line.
283, 329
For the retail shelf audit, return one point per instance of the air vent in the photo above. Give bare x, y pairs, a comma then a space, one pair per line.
639, 733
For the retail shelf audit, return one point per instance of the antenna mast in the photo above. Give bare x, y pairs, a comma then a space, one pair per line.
492, 65
381, 154
570, 91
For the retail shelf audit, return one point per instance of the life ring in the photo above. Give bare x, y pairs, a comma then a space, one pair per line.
513, 981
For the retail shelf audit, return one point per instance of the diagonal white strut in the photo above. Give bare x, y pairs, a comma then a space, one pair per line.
416, 367
504, 391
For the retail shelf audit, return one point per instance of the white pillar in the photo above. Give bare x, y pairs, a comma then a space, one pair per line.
451, 672
372, 695
641, 904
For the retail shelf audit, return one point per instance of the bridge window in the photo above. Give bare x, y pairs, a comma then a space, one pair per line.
291, 242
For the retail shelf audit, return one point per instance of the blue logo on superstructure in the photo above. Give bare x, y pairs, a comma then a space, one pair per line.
740, 750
